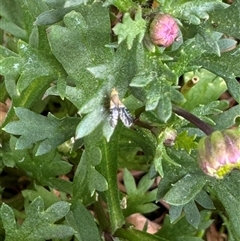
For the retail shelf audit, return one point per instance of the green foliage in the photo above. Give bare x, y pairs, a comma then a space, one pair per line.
224, 18
45, 126
39, 223
228, 194
83, 223
184, 231
208, 88
130, 29
192, 11
59, 157
186, 191
185, 142
43, 168
87, 179
138, 199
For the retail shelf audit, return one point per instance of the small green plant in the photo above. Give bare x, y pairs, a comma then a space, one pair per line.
70, 70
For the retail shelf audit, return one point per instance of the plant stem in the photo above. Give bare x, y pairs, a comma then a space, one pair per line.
193, 119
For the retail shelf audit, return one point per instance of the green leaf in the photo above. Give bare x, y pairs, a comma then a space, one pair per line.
228, 118
42, 168
129, 182
158, 158
228, 192
36, 64
87, 179
28, 76
33, 127
175, 173
204, 200
192, 213
90, 122
164, 107
185, 189
222, 19
175, 212
139, 199
158, 96
20, 23
28, 97
122, 5
227, 66
129, 29
208, 88
226, 44
185, 142
49, 197
39, 224
188, 52
8, 219
181, 230
153, 96
52, 16
82, 221
118, 74
5, 52
192, 11
88, 33
130, 144
12, 28
212, 108
234, 88
143, 79
94, 81
142, 138
208, 40
31, 64
5, 11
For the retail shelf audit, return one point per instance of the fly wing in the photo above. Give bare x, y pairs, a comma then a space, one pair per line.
118, 109
114, 114
125, 116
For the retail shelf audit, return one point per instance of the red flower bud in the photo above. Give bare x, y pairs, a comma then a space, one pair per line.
163, 30
219, 153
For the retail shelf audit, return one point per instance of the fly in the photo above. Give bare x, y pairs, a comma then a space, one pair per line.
118, 110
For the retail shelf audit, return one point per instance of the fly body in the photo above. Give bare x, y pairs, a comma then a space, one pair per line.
118, 110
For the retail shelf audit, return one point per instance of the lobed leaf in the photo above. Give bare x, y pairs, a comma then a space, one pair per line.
39, 224
82, 221
139, 199
222, 19
129, 29
42, 168
50, 130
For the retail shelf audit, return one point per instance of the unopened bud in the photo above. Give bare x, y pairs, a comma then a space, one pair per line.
170, 137
219, 153
163, 30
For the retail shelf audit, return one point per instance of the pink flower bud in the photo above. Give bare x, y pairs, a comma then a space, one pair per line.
219, 153
163, 30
